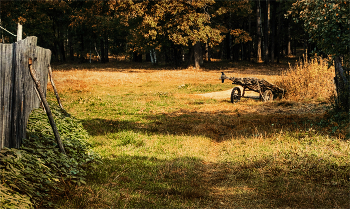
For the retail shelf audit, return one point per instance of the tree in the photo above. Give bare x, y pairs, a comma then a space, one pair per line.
232, 19
165, 25
328, 26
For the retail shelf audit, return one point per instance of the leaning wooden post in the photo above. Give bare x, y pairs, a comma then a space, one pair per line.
46, 105
54, 88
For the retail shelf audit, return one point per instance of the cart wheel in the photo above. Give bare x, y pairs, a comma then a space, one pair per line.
235, 95
268, 96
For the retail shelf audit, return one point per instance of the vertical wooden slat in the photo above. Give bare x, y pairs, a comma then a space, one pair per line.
27, 85
14, 111
2, 108
7, 95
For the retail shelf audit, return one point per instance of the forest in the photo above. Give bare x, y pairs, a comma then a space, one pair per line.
179, 33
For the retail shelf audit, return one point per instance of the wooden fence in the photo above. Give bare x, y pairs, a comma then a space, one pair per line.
18, 96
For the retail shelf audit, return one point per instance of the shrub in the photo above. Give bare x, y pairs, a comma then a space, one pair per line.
38, 171
308, 80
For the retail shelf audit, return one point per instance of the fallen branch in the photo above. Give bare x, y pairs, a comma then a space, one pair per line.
46, 105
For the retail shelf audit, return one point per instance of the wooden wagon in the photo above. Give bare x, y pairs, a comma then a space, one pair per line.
267, 91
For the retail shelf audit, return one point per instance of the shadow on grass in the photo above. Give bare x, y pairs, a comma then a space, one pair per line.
219, 125
148, 182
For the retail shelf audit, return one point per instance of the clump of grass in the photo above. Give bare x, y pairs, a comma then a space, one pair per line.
310, 80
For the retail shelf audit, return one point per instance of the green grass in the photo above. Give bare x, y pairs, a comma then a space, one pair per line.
161, 149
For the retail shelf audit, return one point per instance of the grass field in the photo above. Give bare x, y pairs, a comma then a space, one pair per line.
163, 145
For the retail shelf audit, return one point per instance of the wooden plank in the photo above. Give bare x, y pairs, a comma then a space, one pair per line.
29, 45
7, 64
27, 85
2, 86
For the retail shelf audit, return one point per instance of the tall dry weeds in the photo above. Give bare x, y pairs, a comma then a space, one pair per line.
308, 80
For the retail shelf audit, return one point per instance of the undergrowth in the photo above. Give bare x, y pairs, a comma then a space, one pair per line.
38, 172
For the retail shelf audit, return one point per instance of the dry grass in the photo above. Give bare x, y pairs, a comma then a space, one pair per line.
308, 80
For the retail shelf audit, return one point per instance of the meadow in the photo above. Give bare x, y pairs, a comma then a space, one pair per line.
164, 144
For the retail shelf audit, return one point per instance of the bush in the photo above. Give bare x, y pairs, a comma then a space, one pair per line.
308, 80
39, 171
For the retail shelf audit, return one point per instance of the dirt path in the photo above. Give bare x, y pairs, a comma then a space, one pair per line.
226, 94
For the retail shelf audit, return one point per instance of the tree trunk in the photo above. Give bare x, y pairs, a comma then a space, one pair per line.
176, 58
228, 46
235, 50
197, 55
266, 31
82, 48
273, 31
70, 45
342, 86
279, 48
190, 56
289, 48
102, 49
200, 55
63, 52
61, 44
250, 44
207, 52
229, 39
258, 28
106, 58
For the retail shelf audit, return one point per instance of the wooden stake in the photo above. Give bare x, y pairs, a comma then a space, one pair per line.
54, 89
19, 32
46, 105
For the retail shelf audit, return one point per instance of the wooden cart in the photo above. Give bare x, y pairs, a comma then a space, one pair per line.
266, 90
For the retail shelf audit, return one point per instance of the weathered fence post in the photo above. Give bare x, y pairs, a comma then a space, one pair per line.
19, 32
17, 91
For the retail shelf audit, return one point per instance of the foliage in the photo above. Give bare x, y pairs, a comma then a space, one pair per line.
79, 28
180, 22
39, 171
327, 24
308, 80
229, 17
240, 36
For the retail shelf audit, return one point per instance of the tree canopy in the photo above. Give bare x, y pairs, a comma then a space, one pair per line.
328, 24
179, 32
